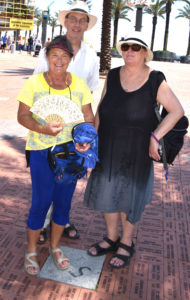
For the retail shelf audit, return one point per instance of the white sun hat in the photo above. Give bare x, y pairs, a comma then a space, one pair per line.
81, 7
136, 37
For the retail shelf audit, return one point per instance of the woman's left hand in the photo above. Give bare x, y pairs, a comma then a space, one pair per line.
82, 147
153, 149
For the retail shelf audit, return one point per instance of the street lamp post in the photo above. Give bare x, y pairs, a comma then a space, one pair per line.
45, 16
139, 5
138, 23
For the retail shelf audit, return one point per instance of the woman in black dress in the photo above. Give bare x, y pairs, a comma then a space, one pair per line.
122, 183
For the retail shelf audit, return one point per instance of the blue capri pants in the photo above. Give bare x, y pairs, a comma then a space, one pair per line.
46, 191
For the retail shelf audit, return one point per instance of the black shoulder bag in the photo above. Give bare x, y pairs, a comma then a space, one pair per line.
172, 142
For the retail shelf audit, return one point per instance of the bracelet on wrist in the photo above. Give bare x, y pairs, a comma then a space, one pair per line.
153, 135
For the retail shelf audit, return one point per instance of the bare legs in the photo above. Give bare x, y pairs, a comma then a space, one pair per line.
56, 232
33, 236
112, 222
127, 233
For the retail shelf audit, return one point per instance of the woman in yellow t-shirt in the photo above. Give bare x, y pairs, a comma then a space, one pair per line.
41, 137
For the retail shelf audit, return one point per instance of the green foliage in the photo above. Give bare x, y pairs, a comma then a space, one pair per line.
185, 11
163, 51
89, 2
53, 22
119, 7
158, 9
37, 13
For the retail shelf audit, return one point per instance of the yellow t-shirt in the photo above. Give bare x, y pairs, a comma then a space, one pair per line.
35, 88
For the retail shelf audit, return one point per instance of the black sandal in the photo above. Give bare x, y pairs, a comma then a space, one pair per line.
124, 258
101, 251
44, 234
67, 230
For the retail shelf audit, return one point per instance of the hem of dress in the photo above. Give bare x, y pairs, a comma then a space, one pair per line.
111, 212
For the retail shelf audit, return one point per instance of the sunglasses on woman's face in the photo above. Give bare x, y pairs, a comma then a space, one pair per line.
134, 47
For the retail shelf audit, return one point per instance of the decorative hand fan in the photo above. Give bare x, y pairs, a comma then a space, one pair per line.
57, 108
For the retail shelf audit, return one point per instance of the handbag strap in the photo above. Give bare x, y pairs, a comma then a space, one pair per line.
156, 109
154, 75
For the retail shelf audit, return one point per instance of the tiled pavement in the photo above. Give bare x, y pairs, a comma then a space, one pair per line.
160, 269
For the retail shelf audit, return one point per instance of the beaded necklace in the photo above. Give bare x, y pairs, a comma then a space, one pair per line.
51, 82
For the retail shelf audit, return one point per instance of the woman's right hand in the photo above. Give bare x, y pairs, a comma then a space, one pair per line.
52, 128
153, 149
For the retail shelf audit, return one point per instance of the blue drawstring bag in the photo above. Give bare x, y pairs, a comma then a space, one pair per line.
82, 133
66, 164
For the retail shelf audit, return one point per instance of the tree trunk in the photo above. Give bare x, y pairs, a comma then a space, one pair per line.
154, 22
168, 11
16, 34
116, 20
44, 30
52, 33
105, 56
38, 28
188, 48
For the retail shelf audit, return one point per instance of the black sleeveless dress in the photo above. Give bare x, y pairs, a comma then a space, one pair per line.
123, 178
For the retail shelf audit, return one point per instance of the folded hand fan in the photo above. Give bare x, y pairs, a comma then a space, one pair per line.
57, 108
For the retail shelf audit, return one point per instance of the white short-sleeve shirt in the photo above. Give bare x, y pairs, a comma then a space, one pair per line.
84, 64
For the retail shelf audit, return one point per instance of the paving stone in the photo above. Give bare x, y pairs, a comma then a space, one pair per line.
184, 253
170, 225
171, 289
70, 293
14, 127
168, 214
155, 290
144, 249
122, 286
140, 270
149, 258
106, 283
102, 296
152, 214
156, 272
171, 280
87, 295
138, 289
181, 226
184, 270
170, 249
84, 270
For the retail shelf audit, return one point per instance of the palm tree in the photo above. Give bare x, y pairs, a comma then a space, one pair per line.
168, 12
38, 23
89, 2
185, 13
157, 10
37, 19
37, 12
105, 56
53, 24
119, 11
61, 27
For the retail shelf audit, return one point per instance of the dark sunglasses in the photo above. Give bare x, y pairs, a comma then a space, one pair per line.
134, 47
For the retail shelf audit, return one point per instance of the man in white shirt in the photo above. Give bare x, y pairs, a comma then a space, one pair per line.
84, 64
